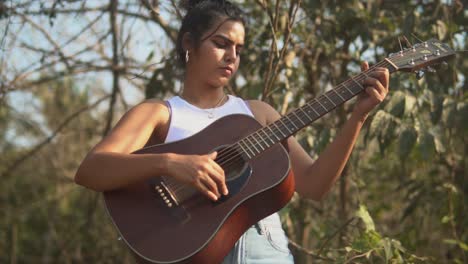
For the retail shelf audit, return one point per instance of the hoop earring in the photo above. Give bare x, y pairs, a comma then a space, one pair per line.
186, 56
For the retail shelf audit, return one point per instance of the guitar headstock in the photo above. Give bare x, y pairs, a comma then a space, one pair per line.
421, 55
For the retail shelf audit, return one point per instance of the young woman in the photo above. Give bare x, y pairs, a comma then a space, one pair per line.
209, 44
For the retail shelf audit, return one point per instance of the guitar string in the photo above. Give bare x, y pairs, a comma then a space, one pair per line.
233, 154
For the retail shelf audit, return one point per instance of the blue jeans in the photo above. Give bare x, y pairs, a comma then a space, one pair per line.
263, 243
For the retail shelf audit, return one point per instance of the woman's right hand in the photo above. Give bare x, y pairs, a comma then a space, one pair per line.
200, 171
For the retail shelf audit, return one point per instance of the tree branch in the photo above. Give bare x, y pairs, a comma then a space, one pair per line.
115, 63
33, 151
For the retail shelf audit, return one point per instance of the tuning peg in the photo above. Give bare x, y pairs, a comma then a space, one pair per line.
420, 74
430, 69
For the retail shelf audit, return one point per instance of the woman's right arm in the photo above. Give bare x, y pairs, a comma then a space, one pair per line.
110, 164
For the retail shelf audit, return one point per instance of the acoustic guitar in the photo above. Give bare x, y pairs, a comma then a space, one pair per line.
165, 221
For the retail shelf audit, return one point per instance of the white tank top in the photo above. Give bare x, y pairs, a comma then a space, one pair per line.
187, 119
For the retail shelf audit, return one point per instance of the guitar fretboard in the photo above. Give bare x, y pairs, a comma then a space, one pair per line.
288, 125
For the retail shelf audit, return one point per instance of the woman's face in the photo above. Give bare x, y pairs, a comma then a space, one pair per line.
217, 58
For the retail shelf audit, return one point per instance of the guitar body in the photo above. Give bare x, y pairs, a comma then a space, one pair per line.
197, 230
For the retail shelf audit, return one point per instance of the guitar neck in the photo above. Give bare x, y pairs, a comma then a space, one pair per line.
288, 125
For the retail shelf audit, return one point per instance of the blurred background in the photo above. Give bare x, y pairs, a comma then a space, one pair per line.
70, 69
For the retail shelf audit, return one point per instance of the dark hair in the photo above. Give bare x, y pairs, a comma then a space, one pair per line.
200, 17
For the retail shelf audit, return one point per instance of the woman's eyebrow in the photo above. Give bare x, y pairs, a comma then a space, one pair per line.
228, 40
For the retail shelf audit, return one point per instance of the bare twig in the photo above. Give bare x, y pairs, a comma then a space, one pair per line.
48, 37
115, 63
310, 252
170, 32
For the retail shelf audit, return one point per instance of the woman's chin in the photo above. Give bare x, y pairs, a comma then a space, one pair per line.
222, 81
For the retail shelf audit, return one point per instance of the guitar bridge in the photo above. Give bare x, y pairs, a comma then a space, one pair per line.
166, 195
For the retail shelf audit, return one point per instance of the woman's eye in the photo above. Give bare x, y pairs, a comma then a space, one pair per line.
219, 45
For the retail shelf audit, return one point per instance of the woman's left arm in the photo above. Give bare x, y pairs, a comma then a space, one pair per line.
315, 178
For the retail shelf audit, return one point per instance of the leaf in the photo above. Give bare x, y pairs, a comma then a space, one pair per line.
441, 29
289, 59
461, 244
369, 240
446, 219
407, 140
436, 108
413, 204
383, 126
396, 105
366, 218
150, 56
439, 147
410, 102
387, 245
324, 139
462, 116
427, 146
397, 245
449, 113
377, 122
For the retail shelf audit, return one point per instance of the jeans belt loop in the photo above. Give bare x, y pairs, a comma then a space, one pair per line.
261, 228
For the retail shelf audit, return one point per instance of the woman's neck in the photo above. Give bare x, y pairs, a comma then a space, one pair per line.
203, 96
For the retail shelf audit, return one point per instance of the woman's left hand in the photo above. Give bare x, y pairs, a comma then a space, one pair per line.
376, 89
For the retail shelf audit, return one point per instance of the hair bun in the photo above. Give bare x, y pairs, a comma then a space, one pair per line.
190, 4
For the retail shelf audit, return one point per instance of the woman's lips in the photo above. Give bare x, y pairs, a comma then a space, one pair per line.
226, 70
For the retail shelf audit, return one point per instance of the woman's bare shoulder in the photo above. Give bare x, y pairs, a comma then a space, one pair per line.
263, 112
136, 126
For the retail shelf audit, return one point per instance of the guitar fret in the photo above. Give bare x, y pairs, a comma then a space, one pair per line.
253, 145
365, 74
277, 127
287, 128
292, 122
259, 144
261, 138
294, 113
243, 150
346, 87
272, 141
240, 144
326, 110
274, 134
326, 96
315, 111
306, 114
359, 85
339, 95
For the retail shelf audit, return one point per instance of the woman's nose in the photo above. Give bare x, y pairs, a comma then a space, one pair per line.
230, 54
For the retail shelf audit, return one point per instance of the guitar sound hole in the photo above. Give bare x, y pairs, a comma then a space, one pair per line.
236, 169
